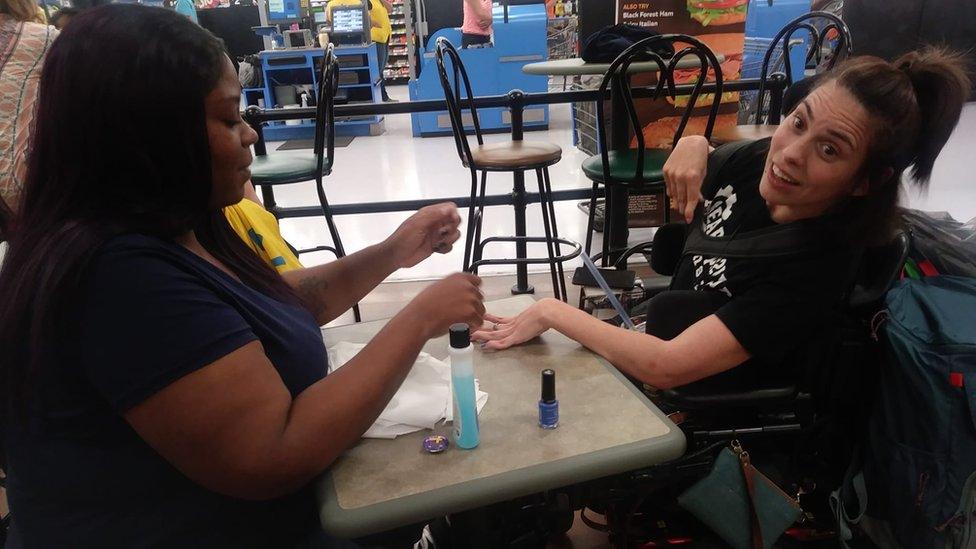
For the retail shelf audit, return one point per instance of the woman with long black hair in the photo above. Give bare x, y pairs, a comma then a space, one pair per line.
160, 386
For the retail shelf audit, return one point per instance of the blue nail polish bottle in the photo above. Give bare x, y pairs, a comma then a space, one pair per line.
548, 405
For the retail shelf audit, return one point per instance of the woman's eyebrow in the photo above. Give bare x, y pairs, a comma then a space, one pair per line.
842, 136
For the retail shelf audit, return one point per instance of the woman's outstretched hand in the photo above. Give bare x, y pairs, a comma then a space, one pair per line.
431, 229
501, 333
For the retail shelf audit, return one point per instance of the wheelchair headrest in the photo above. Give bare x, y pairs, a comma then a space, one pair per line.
880, 268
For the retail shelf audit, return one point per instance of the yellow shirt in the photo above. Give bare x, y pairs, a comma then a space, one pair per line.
378, 13
259, 230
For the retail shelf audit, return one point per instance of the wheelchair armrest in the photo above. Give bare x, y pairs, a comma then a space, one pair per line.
654, 285
758, 398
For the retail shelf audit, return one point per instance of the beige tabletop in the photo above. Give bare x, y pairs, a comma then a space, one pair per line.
576, 66
738, 133
606, 427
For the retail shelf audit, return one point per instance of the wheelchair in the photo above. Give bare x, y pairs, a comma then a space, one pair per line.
800, 434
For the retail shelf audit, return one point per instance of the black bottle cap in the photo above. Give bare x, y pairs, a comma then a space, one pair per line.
460, 336
548, 386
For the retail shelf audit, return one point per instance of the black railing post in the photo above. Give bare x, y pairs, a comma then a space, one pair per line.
516, 104
252, 115
777, 88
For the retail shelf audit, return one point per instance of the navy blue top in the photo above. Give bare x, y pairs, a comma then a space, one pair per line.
151, 312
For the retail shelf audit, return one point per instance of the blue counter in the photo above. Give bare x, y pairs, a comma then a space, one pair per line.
493, 71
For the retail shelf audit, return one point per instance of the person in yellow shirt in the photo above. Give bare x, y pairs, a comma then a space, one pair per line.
379, 31
259, 230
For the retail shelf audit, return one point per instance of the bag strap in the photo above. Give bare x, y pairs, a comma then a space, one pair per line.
748, 472
777, 241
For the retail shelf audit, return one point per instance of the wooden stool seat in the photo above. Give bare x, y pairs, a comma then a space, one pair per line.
516, 155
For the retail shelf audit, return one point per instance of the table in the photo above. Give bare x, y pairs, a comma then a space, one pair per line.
620, 138
607, 426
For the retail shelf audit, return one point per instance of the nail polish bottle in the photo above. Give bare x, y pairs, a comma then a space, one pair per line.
466, 430
548, 405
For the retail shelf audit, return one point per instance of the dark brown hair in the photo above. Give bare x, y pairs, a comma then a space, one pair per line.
915, 102
120, 146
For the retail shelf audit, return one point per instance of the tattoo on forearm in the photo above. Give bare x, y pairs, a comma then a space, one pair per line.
312, 292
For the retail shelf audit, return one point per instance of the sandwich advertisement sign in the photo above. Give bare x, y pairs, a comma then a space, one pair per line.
720, 24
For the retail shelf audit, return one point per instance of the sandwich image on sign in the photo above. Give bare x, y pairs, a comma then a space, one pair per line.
661, 123
727, 45
718, 12
659, 134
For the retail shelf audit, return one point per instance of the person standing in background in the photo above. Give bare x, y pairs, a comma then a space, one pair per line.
380, 31
476, 28
24, 41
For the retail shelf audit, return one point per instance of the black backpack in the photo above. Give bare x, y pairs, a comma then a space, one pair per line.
604, 45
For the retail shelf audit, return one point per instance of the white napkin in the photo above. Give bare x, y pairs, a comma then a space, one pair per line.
422, 400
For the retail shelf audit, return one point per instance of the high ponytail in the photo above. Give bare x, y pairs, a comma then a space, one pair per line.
941, 87
914, 103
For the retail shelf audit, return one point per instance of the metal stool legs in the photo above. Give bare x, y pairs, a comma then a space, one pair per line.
476, 212
340, 251
474, 246
552, 233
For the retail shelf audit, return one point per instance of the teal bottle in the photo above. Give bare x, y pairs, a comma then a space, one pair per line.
466, 435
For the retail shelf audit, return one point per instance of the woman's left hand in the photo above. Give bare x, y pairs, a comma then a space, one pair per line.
501, 333
431, 229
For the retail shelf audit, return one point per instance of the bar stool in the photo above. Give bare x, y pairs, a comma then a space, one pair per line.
820, 36
640, 168
514, 156
282, 168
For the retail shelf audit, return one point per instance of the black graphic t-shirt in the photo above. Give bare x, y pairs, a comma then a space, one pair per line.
776, 308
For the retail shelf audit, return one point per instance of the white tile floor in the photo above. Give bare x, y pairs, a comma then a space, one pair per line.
397, 166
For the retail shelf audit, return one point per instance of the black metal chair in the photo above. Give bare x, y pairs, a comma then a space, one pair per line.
515, 156
639, 168
819, 25
287, 167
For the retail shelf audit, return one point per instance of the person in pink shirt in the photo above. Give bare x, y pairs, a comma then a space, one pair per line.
476, 28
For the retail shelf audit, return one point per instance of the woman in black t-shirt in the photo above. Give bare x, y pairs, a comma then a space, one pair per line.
838, 158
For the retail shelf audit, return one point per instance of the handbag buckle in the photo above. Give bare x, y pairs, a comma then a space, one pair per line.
737, 448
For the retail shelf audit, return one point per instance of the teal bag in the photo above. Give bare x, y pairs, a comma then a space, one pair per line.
917, 478
739, 503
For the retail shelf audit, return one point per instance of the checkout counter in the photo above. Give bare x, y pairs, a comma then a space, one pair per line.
291, 63
518, 39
